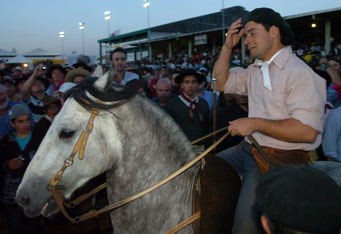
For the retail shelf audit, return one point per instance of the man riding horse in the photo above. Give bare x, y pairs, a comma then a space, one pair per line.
286, 104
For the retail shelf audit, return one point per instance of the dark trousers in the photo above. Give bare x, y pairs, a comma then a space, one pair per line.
18, 223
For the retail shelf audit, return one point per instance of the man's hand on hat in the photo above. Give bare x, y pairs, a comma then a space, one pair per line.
14, 163
234, 34
242, 126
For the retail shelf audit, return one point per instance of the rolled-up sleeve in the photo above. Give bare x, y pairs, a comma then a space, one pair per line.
236, 82
306, 99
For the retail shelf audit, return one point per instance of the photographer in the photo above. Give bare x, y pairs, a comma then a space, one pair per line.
17, 149
33, 90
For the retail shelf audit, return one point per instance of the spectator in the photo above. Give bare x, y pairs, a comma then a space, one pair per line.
175, 86
33, 91
18, 148
331, 141
119, 60
12, 90
51, 107
63, 89
163, 91
207, 95
57, 73
188, 110
299, 199
77, 75
5, 105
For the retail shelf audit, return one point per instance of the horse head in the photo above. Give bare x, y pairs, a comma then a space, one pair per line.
61, 140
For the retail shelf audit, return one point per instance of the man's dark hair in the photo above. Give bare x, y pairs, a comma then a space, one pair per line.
57, 67
268, 17
118, 49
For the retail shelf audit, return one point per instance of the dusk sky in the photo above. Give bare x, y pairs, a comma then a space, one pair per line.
29, 24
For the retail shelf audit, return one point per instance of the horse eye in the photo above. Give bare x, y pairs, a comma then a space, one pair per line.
66, 133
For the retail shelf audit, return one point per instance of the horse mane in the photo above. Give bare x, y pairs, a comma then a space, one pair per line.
116, 94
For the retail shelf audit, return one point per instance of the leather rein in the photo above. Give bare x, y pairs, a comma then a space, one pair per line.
79, 148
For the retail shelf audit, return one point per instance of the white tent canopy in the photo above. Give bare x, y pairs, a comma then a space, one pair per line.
41, 53
19, 59
5, 53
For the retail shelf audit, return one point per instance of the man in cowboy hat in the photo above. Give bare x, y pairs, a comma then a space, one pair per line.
188, 110
286, 103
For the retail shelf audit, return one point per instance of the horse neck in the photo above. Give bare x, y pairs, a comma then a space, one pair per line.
153, 145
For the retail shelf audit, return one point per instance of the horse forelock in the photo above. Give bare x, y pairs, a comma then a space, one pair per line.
114, 96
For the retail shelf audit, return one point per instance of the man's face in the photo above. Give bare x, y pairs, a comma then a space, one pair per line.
119, 61
37, 87
163, 91
189, 85
78, 79
57, 76
173, 79
22, 124
3, 96
335, 65
11, 88
52, 110
258, 41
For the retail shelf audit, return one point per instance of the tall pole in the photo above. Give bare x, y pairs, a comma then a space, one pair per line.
61, 35
223, 21
81, 27
147, 5
107, 17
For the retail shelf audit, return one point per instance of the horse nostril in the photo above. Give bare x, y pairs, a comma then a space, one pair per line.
25, 200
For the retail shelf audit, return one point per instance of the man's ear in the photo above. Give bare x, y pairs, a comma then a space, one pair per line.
274, 31
12, 123
265, 224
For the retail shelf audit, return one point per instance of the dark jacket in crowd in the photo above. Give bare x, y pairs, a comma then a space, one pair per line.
10, 149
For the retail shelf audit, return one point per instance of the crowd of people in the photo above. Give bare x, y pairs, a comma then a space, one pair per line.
182, 86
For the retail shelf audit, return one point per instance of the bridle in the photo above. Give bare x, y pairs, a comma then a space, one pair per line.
79, 148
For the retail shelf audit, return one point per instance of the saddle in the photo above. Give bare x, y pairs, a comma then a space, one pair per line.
217, 198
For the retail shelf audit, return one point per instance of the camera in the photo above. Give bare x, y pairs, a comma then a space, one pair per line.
43, 68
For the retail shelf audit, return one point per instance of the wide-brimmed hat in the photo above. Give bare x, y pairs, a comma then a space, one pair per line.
71, 75
190, 72
47, 100
84, 65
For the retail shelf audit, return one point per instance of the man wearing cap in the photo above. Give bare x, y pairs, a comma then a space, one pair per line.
57, 72
17, 150
119, 61
286, 102
299, 199
188, 110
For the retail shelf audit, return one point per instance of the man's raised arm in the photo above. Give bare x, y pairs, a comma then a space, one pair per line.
221, 67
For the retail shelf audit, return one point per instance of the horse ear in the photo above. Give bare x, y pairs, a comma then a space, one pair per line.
104, 83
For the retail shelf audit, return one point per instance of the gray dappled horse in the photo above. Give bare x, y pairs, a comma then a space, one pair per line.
136, 143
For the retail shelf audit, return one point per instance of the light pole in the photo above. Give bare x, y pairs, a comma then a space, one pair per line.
223, 20
107, 17
147, 5
81, 27
61, 35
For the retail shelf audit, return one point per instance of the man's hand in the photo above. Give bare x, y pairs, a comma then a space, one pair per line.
243, 126
14, 163
37, 71
234, 34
